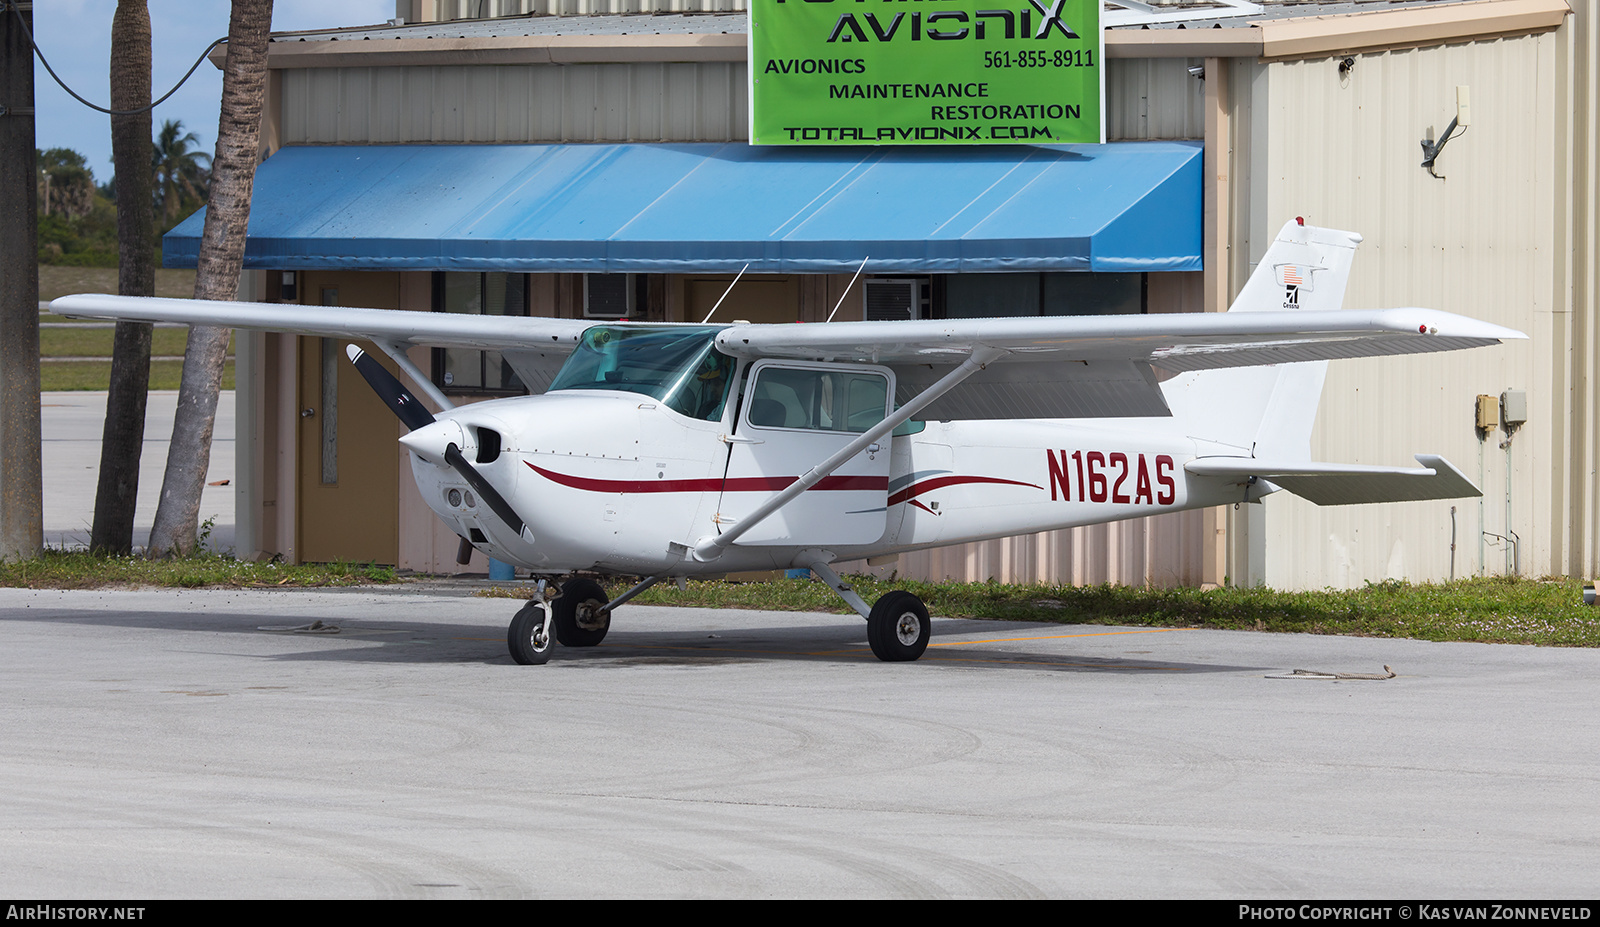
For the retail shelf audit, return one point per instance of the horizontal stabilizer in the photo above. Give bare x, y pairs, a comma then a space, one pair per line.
1347, 484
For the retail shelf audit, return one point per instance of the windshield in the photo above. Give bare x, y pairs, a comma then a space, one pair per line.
679, 366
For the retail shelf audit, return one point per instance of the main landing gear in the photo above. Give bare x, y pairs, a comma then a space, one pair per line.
580, 614
898, 626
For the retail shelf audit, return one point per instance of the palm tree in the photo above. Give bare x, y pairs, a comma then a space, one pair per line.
122, 439
182, 172
68, 183
244, 86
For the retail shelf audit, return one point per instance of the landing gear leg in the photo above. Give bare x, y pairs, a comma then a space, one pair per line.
898, 626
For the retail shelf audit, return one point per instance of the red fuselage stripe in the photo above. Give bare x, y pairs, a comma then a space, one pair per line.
738, 484
939, 482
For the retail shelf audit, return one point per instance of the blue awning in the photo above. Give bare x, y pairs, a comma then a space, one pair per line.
677, 208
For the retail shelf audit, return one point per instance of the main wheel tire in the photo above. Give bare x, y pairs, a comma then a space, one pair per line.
579, 600
898, 627
529, 642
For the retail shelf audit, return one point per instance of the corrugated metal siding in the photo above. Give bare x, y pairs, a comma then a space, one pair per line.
1344, 152
448, 10
1576, 548
708, 101
646, 102
1154, 98
1161, 551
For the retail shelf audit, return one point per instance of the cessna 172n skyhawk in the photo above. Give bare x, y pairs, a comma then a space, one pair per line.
674, 450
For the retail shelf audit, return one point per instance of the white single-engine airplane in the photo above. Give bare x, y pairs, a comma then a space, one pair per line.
674, 450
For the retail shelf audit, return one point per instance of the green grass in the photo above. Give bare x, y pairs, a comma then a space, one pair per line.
1493, 610
96, 375
89, 340
83, 341
55, 569
1548, 612
56, 281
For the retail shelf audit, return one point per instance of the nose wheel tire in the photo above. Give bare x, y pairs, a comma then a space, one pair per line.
530, 638
576, 614
898, 627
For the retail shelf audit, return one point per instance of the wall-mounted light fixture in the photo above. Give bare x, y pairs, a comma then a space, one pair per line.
1197, 71
1345, 67
1463, 118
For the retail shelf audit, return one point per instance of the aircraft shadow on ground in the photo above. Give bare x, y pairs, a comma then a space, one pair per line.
994, 645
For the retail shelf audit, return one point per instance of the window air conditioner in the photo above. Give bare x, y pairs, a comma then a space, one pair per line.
608, 296
895, 299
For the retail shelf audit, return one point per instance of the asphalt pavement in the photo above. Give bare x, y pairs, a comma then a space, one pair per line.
71, 426
162, 744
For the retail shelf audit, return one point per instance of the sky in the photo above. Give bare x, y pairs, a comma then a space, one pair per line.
75, 36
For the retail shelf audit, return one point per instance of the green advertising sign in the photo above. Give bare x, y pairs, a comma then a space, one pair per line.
919, 72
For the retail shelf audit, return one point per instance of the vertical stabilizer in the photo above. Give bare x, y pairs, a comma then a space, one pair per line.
1269, 411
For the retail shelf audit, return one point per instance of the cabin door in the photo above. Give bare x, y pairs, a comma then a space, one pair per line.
793, 417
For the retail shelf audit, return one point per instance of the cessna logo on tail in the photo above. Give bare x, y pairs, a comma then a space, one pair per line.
1294, 278
949, 25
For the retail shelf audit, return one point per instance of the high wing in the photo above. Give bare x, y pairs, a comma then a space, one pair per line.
1172, 341
1053, 367
535, 347
436, 329
1094, 366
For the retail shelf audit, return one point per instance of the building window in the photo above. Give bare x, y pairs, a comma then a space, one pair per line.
462, 370
988, 296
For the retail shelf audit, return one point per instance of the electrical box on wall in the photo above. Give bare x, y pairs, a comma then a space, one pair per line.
1514, 407
1488, 417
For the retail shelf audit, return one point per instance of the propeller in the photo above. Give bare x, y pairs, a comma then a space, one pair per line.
389, 388
428, 433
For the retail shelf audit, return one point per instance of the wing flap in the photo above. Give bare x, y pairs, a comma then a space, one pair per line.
1076, 389
1347, 484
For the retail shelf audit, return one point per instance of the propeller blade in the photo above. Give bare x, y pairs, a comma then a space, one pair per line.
389, 388
497, 503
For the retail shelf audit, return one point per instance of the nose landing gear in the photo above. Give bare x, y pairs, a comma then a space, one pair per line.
530, 637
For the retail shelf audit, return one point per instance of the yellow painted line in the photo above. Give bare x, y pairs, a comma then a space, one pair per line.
1094, 666
1051, 637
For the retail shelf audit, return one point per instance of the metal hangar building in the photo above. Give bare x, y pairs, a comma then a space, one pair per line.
590, 159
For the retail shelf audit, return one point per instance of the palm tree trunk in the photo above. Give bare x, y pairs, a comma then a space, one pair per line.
122, 441
244, 82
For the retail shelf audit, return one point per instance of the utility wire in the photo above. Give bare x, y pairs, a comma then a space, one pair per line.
12, 6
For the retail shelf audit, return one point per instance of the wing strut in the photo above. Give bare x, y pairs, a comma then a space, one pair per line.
423, 383
712, 547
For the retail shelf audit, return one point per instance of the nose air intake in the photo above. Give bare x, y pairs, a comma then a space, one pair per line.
432, 439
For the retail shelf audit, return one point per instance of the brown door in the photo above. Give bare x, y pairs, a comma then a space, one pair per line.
349, 458
754, 299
